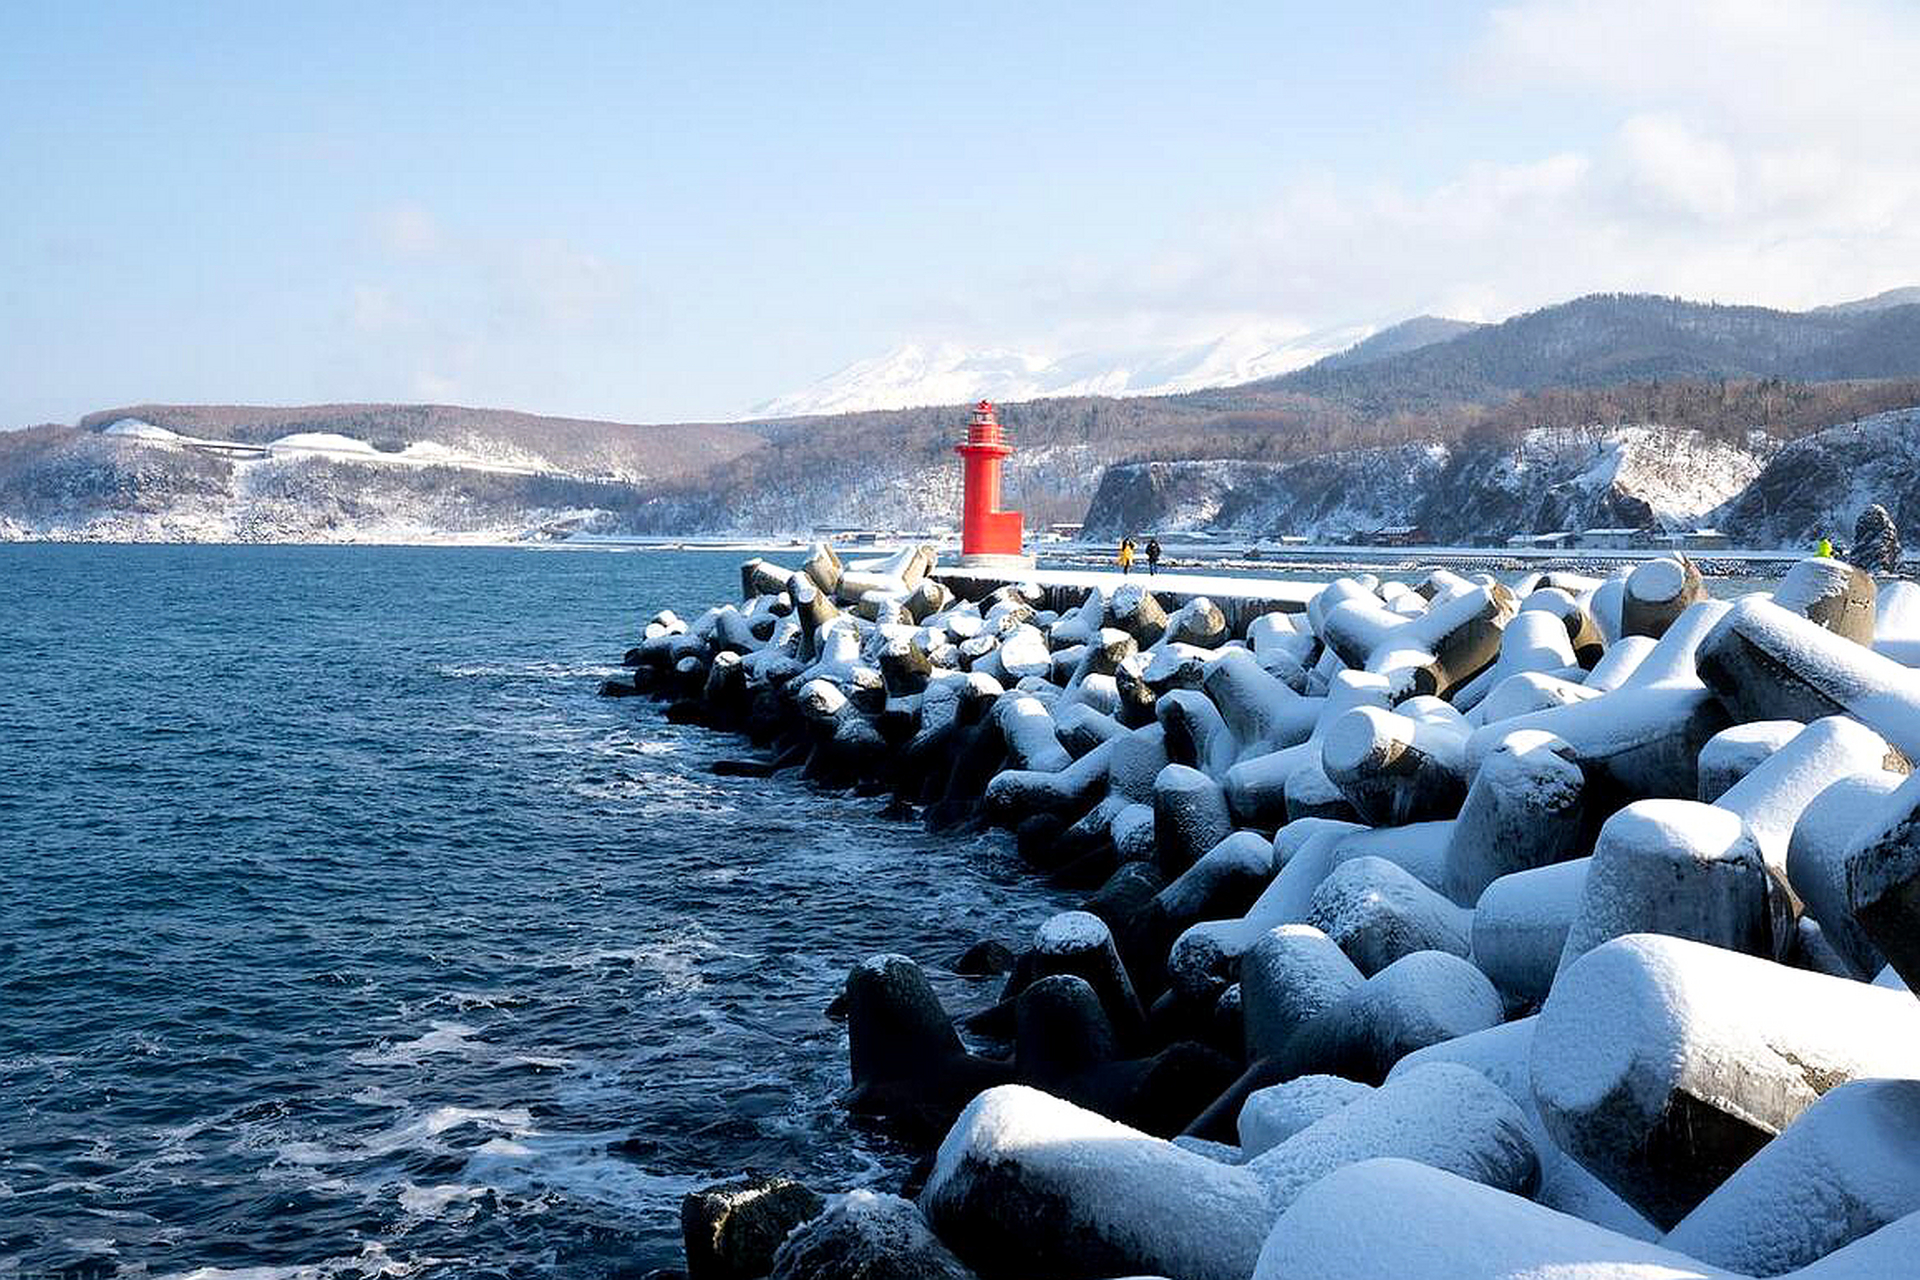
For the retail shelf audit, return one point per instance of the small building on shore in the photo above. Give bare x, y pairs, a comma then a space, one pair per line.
1696, 540
1396, 535
1618, 539
1559, 540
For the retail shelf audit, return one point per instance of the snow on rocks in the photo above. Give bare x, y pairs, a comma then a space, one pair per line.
1855, 1153
1272, 1115
1333, 861
1663, 1064
1674, 867
1737, 751
1656, 594
1765, 662
1832, 593
1883, 879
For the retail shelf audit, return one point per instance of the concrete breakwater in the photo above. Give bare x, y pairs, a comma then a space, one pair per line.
1451, 929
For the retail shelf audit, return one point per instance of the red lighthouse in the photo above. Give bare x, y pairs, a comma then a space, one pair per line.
985, 529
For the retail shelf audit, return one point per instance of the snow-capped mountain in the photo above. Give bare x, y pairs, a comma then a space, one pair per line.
947, 373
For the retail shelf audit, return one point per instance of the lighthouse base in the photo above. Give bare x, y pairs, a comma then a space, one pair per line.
1000, 563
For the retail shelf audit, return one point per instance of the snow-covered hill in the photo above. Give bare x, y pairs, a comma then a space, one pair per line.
137, 481
948, 373
1547, 479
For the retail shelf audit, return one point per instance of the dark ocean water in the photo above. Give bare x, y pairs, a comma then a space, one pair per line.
345, 932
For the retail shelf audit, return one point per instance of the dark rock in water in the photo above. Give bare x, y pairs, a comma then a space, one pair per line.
631, 658
1064, 1043
614, 687
1088, 871
1077, 943
744, 768
837, 1008
1037, 837
731, 1229
1129, 889
867, 1236
984, 959
908, 1064
686, 711
898, 810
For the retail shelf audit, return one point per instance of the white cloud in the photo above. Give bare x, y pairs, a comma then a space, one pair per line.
408, 230
532, 322
1744, 151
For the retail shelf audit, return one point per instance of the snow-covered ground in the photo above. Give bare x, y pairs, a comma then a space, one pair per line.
333, 446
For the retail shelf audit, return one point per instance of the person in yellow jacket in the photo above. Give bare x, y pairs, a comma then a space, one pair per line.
1126, 555
1825, 548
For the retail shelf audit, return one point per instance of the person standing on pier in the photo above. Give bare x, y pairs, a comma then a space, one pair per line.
1126, 556
1153, 555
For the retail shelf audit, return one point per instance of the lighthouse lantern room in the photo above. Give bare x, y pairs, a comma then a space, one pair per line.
988, 535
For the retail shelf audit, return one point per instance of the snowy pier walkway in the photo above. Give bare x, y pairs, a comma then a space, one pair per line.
1240, 599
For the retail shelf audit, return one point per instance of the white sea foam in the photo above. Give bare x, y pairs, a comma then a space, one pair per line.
413, 1134
444, 1037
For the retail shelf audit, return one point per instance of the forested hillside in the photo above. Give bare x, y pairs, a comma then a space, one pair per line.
1412, 405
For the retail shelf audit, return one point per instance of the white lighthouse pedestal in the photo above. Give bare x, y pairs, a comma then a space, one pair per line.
994, 563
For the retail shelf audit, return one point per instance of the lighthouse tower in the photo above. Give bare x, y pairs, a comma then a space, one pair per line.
988, 535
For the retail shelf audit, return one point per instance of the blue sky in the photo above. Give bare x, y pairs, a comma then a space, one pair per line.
657, 212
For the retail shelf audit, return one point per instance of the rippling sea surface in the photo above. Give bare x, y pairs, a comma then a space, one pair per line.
344, 930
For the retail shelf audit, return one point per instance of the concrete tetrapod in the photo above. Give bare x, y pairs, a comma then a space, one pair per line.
1831, 593
1396, 1217
1850, 1164
1520, 928
1883, 879
1393, 769
1674, 867
1737, 751
1768, 663
1272, 1115
1524, 809
1663, 1064
1657, 592
1503, 1054
1772, 797
1817, 862
1027, 1185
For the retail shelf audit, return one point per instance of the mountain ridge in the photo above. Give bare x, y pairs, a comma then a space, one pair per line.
335, 471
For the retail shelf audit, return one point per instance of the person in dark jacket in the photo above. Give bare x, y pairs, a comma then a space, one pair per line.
1153, 556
